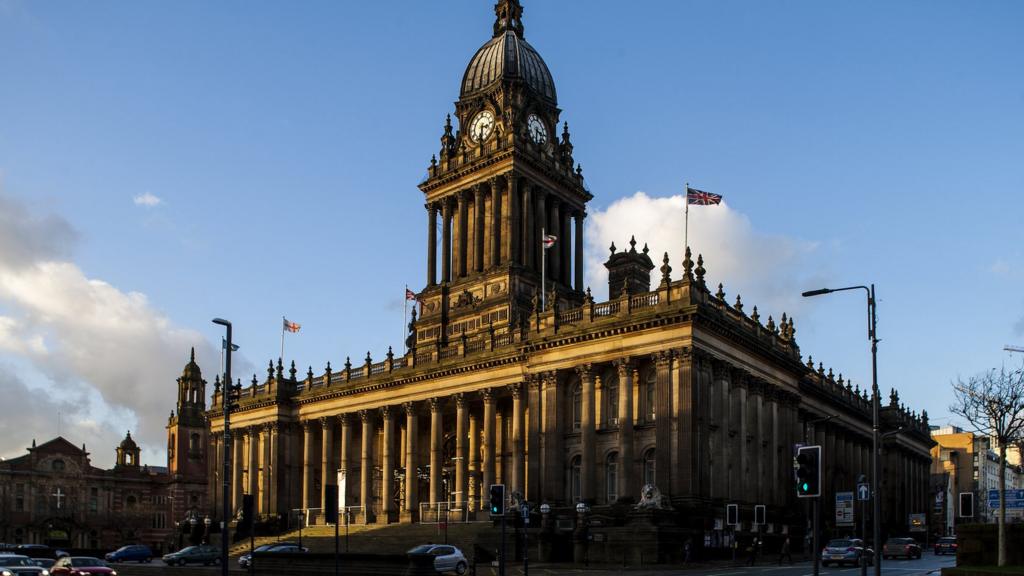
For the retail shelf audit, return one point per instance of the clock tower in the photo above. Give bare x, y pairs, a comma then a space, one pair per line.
502, 182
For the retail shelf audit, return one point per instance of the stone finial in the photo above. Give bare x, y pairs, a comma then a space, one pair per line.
588, 298
792, 329
216, 384
755, 316
292, 371
579, 171
687, 265
924, 418
255, 382
280, 369
632, 244
270, 371
348, 363
821, 370
771, 325
309, 374
739, 304
831, 376
391, 353
784, 326
612, 248
192, 355
666, 270
721, 292
646, 249
894, 397
699, 271
810, 362
433, 160
327, 370
369, 359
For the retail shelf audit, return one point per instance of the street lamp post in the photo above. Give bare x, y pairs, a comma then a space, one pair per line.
876, 480
225, 402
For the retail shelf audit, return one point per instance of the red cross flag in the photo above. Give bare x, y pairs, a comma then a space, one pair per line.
290, 326
548, 241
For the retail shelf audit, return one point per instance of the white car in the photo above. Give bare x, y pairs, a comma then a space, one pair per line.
445, 558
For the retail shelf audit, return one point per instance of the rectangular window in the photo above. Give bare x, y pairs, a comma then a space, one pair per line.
159, 520
94, 499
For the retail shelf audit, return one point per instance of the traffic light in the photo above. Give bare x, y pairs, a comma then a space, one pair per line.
808, 472
759, 515
331, 504
497, 499
732, 515
967, 504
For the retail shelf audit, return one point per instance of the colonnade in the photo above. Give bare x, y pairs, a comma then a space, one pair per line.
500, 221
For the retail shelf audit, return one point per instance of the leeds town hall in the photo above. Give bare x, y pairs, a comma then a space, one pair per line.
655, 409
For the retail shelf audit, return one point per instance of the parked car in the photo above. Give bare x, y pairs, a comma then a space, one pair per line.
846, 551
443, 557
945, 545
204, 555
246, 559
130, 553
906, 547
44, 562
20, 565
81, 566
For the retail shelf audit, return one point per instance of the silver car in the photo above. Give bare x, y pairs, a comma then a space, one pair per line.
846, 551
443, 557
18, 565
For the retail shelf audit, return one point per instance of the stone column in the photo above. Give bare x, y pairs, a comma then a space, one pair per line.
478, 225
518, 472
488, 463
627, 461
328, 476
463, 237
253, 457
579, 251
345, 459
554, 226
461, 490
366, 472
307, 465
436, 438
474, 462
663, 472
552, 456
533, 428
565, 271
265, 491
526, 225
411, 462
431, 244
237, 464
387, 500
588, 435
446, 241
689, 439
275, 469
503, 220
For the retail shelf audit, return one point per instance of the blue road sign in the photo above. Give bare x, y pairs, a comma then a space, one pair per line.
1011, 495
863, 491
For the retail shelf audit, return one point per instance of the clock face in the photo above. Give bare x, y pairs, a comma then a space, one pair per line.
538, 133
481, 126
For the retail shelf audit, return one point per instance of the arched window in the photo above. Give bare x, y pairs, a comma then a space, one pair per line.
611, 477
574, 479
130, 502
611, 394
649, 467
650, 395
57, 465
193, 443
577, 406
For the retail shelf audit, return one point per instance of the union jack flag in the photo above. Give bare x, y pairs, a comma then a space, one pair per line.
701, 198
410, 295
548, 241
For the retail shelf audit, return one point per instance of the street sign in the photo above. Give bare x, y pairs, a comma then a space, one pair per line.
844, 509
524, 511
863, 492
1011, 495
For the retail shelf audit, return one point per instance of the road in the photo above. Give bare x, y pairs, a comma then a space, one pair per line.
928, 564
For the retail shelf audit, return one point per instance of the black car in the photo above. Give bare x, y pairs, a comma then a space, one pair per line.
204, 555
945, 545
246, 559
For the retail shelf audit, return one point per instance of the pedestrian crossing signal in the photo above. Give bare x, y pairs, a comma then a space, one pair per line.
497, 499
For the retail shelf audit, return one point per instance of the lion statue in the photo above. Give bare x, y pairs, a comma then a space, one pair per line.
651, 499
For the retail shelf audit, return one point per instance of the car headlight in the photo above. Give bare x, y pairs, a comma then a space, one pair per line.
113, 573
7, 573
45, 572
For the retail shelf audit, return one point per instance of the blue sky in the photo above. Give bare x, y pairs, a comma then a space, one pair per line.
854, 142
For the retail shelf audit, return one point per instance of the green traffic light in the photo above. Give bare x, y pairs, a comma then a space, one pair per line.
805, 487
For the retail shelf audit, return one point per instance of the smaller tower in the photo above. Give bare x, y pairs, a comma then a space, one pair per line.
186, 429
629, 269
128, 453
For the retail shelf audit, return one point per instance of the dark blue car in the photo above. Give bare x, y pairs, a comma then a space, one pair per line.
132, 553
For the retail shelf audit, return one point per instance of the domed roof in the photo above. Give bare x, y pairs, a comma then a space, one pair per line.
192, 371
508, 56
128, 444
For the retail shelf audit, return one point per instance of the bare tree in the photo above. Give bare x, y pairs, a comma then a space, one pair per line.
993, 403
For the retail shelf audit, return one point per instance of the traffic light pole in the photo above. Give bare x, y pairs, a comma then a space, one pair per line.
501, 554
815, 509
225, 403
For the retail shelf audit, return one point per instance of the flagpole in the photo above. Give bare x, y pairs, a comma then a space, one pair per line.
405, 316
543, 269
282, 338
686, 233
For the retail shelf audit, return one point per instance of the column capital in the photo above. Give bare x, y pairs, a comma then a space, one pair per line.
661, 358
534, 381
386, 412
436, 404
344, 418
325, 422
460, 400
624, 366
266, 427
306, 425
516, 390
410, 408
487, 395
365, 416
584, 370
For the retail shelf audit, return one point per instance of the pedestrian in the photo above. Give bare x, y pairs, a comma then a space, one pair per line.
752, 550
687, 548
785, 553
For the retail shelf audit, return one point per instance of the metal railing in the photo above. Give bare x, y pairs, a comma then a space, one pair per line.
441, 512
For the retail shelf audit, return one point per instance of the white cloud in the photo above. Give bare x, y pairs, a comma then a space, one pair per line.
768, 270
83, 342
148, 200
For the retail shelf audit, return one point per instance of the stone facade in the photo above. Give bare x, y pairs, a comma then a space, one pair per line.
513, 374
